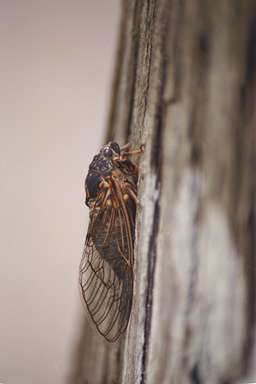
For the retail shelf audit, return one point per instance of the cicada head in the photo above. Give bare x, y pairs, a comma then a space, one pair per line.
110, 150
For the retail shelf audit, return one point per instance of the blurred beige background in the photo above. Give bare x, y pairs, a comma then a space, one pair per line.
55, 70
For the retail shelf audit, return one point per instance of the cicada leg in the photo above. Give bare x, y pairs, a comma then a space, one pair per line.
125, 151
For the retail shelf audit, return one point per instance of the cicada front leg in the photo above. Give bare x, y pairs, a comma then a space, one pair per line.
126, 152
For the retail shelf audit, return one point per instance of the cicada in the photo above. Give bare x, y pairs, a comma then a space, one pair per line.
106, 269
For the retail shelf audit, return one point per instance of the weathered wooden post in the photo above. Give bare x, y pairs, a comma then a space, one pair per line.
185, 87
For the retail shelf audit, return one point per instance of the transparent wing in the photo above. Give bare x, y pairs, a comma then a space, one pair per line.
106, 269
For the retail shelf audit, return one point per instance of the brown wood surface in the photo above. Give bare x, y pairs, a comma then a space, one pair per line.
185, 87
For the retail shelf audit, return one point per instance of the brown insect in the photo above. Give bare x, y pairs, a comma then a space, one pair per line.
106, 269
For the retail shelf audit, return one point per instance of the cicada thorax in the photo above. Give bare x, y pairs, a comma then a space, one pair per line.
127, 167
99, 169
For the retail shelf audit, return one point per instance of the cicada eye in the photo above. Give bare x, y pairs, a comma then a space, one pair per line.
115, 148
92, 183
107, 152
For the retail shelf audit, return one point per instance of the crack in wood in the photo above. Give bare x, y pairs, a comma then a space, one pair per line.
150, 287
195, 375
248, 92
195, 194
150, 17
133, 67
